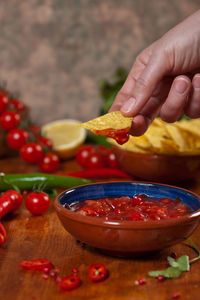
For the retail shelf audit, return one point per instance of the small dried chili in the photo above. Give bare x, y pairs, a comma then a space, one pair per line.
36, 264
97, 173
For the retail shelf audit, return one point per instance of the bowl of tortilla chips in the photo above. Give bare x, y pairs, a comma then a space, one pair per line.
164, 153
167, 153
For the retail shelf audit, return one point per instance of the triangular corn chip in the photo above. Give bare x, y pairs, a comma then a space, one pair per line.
113, 125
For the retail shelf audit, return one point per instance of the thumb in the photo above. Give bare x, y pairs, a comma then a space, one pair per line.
145, 85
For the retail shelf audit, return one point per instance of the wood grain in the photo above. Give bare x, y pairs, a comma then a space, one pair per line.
35, 237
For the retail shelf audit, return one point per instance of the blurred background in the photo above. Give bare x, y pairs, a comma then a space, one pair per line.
55, 52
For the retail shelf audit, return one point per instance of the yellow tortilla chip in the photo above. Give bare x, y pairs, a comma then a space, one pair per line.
176, 136
113, 125
129, 146
114, 120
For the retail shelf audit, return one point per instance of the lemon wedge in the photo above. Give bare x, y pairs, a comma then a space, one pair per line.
66, 136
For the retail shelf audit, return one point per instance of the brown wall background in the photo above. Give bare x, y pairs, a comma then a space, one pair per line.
54, 52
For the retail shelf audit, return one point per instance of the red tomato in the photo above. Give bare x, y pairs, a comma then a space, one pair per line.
83, 154
3, 102
45, 141
112, 161
49, 163
87, 211
109, 156
137, 200
16, 138
10, 120
136, 216
37, 203
95, 161
18, 105
70, 282
31, 152
97, 272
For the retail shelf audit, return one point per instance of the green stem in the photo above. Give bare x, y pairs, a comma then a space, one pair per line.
194, 246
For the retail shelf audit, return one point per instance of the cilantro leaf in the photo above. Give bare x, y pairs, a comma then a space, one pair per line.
171, 272
183, 263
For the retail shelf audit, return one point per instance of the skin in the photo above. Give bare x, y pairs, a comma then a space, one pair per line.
164, 79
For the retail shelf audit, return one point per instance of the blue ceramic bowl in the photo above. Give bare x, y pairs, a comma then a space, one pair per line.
125, 237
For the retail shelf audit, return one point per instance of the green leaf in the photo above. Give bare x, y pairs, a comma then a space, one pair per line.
172, 261
183, 263
171, 272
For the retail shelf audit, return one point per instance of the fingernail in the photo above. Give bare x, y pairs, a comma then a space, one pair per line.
181, 85
196, 82
128, 105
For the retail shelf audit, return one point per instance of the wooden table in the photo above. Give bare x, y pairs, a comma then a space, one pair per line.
36, 237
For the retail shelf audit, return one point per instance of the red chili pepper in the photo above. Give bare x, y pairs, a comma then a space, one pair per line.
9, 201
97, 173
70, 282
36, 264
3, 234
97, 272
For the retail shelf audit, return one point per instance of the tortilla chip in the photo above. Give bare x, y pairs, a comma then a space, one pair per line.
113, 125
113, 120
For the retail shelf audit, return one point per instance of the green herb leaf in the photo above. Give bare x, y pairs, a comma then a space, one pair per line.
172, 261
171, 272
183, 263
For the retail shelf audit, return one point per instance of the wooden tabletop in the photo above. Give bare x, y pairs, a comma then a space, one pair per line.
43, 236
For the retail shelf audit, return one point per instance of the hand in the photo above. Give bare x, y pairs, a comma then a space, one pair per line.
164, 78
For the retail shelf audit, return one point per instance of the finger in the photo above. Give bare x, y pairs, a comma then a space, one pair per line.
192, 109
174, 105
145, 85
151, 109
126, 91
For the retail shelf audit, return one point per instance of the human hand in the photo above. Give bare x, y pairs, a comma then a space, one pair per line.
164, 78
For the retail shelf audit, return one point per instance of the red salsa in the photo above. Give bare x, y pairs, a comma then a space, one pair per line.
137, 208
120, 135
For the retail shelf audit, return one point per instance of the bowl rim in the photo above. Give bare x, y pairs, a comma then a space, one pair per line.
97, 221
158, 155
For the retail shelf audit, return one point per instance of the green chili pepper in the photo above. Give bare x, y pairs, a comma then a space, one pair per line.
33, 180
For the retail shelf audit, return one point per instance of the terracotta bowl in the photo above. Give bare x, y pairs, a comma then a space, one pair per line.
127, 237
158, 168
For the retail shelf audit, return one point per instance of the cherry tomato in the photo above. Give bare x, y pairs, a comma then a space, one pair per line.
3, 102
16, 138
31, 152
112, 161
109, 156
49, 163
97, 272
70, 282
95, 161
37, 203
83, 154
10, 120
18, 105
36, 264
45, 141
